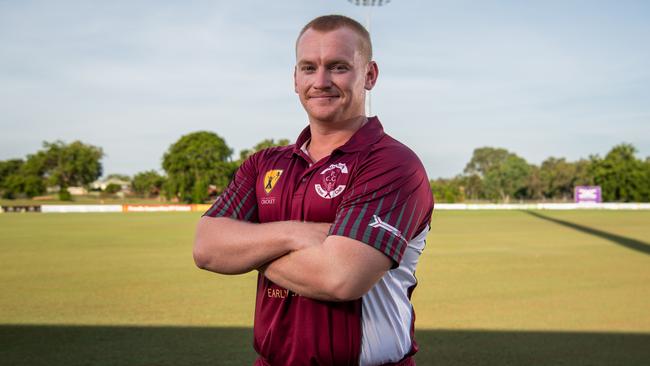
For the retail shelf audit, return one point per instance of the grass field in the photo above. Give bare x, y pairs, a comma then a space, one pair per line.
496, 288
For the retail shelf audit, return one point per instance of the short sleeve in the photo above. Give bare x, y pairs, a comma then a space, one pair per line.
239, 200
388, 203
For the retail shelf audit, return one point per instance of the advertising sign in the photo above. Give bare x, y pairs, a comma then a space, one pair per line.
157, 208
587, 194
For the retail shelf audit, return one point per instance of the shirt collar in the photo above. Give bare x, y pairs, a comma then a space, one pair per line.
367, 135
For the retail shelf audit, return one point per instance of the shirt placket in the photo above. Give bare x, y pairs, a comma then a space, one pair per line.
303, 184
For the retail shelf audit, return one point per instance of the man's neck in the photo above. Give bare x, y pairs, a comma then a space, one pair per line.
325, 137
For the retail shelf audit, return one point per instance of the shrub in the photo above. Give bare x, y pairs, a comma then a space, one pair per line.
64, 195
112, 188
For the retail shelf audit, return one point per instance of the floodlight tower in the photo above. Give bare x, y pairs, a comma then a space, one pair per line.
369, 4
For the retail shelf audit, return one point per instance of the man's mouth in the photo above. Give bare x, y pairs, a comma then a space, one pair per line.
322, 96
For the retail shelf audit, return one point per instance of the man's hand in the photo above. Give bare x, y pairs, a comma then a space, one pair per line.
311, 234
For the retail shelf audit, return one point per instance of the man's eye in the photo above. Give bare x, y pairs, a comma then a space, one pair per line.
340, 68
307, 68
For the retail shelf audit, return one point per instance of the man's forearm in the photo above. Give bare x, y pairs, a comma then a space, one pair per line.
230, 246
305, 272
341, 269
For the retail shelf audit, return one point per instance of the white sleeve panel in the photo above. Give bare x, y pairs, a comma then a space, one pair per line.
387, 312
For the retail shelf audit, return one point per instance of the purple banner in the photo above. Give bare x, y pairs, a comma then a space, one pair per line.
587, 194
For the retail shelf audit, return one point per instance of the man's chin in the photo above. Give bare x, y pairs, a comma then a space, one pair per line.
325, 120
323, 116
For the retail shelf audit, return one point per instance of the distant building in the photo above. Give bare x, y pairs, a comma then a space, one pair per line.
75, 191
101, 184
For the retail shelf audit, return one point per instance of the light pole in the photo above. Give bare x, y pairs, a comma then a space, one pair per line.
369, 4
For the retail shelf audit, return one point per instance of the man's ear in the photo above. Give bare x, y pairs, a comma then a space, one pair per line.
295, 84
372, 73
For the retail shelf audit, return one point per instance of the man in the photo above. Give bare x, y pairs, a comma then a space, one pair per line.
334, 224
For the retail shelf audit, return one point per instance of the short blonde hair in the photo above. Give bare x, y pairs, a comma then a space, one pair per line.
328, 23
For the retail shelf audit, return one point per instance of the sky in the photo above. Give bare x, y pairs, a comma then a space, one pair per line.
539, 78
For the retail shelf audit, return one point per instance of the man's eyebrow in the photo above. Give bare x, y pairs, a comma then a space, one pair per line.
329, 63
336, 62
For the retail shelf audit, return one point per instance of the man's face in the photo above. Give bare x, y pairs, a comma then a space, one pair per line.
332, 74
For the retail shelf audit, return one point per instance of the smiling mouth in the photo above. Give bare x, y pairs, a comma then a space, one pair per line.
323, 96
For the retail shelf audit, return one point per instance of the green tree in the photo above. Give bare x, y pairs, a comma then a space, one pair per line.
472, 186
584, 172
193, 163
485, 159
33, 175
27, 185
534, 184
558, 178
503, 175
113, 188
8, 167
264, 144
148, 184
18, 177
508, 179
67, 165
448, 190
9, 171
621, 175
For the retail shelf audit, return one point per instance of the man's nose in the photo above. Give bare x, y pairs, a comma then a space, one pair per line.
323, 79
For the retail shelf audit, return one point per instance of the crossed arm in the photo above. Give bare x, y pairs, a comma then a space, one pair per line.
298, 256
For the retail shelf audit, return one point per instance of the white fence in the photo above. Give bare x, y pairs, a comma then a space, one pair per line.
438, 206
157, 208
80, 208
543, 206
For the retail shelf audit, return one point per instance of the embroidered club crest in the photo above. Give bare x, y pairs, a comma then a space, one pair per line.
270, 179
328, 188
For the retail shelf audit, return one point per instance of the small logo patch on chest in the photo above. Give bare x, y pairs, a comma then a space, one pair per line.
270, 179
329, 187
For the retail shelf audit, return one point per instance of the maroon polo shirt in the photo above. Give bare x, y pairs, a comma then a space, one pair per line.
373, 189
